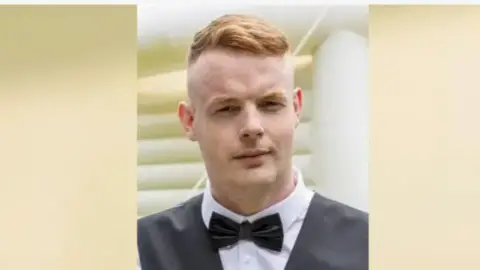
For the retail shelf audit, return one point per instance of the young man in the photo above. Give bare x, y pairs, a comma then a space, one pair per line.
256, 212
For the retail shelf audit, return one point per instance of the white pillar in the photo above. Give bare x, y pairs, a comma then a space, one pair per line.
340, 123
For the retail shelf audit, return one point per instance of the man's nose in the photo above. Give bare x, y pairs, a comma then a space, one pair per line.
252, 124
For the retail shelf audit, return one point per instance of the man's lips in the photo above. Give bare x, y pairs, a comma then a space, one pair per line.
252, 154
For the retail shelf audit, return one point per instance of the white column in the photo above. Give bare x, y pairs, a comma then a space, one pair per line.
340, 124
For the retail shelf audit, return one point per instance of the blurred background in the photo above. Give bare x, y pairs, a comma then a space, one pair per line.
331, 145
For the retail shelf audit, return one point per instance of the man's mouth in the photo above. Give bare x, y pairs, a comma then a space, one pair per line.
252, 154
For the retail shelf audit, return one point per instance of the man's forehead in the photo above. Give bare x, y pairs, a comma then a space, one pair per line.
217, 61
222, 72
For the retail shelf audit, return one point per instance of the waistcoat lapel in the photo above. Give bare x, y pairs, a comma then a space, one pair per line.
177, 240
307, 244
330, 239
200, 253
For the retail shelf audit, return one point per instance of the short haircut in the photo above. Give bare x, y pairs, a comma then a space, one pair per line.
239, 33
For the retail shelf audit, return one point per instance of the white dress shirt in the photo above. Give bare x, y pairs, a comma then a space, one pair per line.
245, 254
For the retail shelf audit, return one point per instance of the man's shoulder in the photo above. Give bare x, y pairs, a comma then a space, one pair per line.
176, 217
342, 217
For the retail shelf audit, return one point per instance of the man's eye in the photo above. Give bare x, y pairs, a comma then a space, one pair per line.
271, 105
227, 109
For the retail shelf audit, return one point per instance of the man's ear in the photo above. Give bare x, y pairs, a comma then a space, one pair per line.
186, 114
298, 103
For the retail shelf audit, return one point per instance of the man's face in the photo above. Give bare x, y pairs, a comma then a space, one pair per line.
243, 113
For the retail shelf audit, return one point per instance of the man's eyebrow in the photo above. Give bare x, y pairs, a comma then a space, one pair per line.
278, 94
221, 99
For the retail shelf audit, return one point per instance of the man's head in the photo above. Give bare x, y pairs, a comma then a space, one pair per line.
243, 108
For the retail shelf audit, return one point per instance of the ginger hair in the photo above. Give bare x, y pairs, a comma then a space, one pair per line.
241, 34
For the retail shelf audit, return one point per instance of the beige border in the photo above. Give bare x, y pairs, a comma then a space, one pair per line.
425, 133
68, 137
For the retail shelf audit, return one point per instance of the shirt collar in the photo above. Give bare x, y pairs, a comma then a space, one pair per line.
290, 209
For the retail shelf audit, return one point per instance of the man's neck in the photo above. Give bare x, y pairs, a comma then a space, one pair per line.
249, 202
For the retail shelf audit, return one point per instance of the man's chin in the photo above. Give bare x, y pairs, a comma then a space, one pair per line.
257, 175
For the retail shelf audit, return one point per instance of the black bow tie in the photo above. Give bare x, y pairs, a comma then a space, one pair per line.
266, 232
